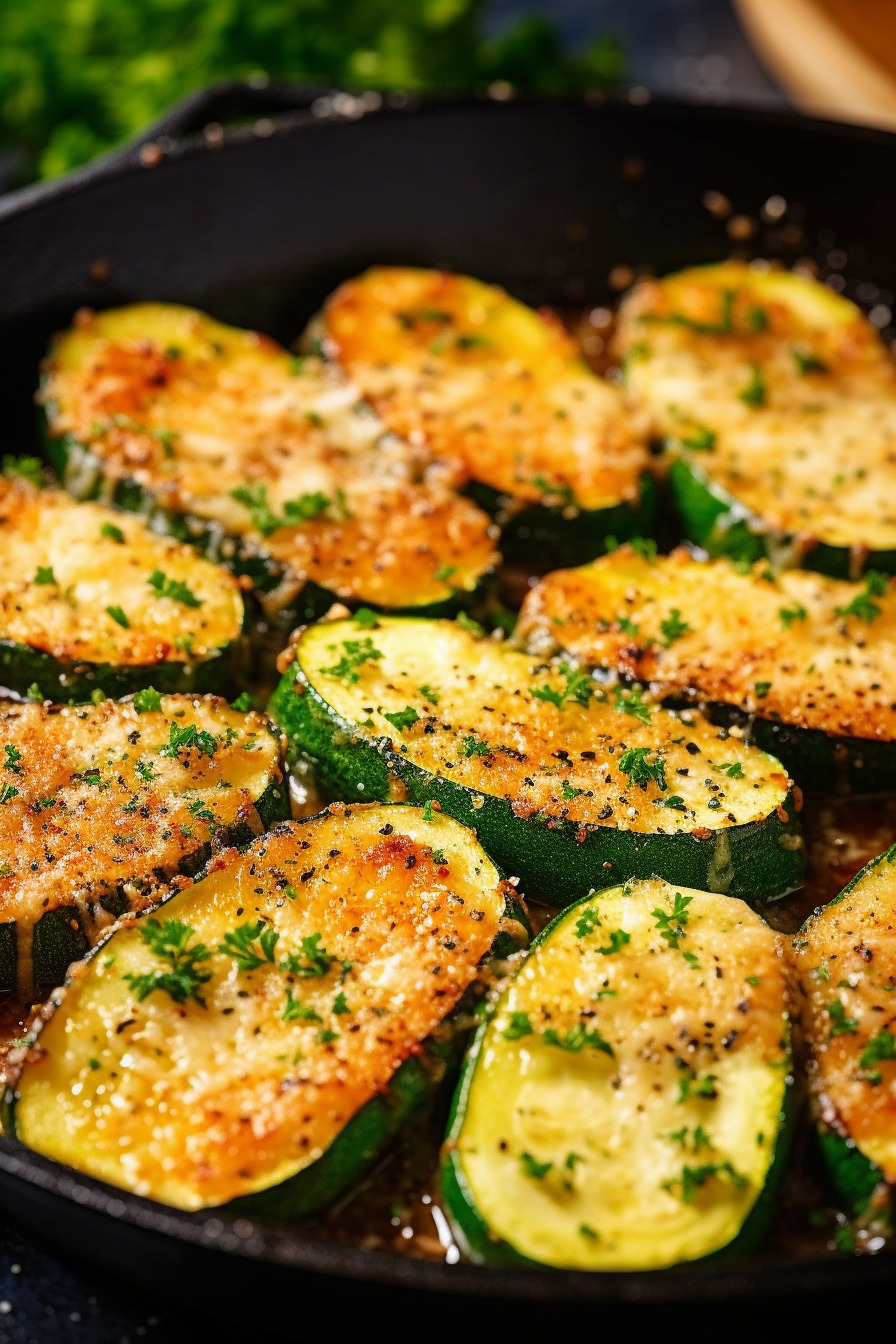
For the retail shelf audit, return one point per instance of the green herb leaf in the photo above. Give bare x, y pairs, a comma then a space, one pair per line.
640, 770
251, 944
112, 533
119, 617
172, 943
673, 627
173, 588
147, 700
518, 1026
357, 653
44, 575
402, 719
754, 394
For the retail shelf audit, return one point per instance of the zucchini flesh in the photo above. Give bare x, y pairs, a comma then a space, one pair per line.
846, 957
100, 811
86, 601
624, 1108
777, 399
369, 925
270, 463
502, 391
808, 658
563, 787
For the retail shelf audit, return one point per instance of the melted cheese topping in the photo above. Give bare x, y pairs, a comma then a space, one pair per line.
197, 1103
475, 721
483, 381
193, 410
846, 956
672, 1058
776, 387
91, 571
776, 645
90, 803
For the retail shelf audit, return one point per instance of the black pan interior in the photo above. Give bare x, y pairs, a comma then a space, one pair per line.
560, 202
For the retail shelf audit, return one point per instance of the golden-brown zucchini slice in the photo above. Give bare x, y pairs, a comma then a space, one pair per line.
271, 463
485, 382
230, 1044
777, 399
806, 663
91, 598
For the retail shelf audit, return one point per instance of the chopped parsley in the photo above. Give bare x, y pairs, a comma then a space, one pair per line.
640, 770
474, 746
147, 700
733, 769
700, 439
357, 653
296, 1011
577, 1038
693, 1179
518, 1026
367, 619
118, 617
618, 939
692, 1086
587, 922
295, 511
164, 586
863, 607
579, 688
880, 1047
402, 719
340, 1004
8, 791
44, 574
632, 702
251, 944
428, 693
112, 533
311, 962
243, 703
673, 627
184, 739
761, 689
172, 943
532, 1167
29, 468
754, 394
13, 756
807, 361
841, 1025
671, 923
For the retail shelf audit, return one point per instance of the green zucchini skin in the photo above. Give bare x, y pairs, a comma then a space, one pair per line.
550, 536
713, 518
362, 1142
22, 669
756, 861
83, 474
483, 1245
816, 760
855, 1177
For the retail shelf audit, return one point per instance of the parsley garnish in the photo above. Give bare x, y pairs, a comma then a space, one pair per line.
761, 689
532, 1167
403, 719
147, 700
841, 1025
251, 944
569, 791
444, 572
170, 942
173, 588
112, 533
340, 1004
673, 627
640, 770
243, 703
119, 617
295, 511
723, 327
577, 1038
671, 923
632, 702
733, 769
692, 1086
183, 739
13, 756
880, 1047
755, 391
700, 439
29, 468
357, 652
367, 619
693, 1178
587, 922
296, 1011
862, 606
618, 940
807, 361
44, 574
312, 962
579, 688
790, 614
473, 746
429, 694
518, 1026
7, 792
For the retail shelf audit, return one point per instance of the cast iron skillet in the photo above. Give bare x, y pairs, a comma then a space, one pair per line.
256, 223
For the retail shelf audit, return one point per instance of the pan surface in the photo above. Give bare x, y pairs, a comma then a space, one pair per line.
561, 202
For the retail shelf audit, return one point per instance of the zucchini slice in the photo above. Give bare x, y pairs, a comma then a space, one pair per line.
625, 1107
777, 400
269, 463
846, 957
565, 784
91, 598
101, 806
801, 659
273, 1013
502, 391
